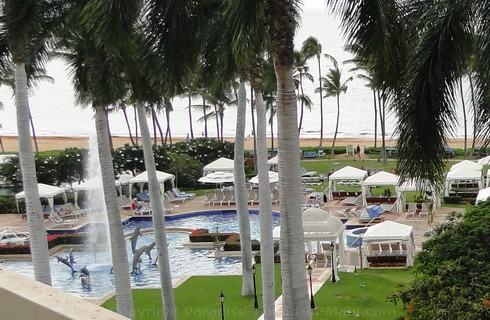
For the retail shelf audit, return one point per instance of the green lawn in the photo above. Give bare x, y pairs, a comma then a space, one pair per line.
198, 297
362, 296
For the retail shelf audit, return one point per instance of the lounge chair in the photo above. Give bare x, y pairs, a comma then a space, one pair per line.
227, 197
209, 197
218, 198
275, 196
70, 208
124, 202
59, 213
351, 212
182, 194
305, 173
424, 211
170, 197
412, 208
63, 223
253, 196
143, 211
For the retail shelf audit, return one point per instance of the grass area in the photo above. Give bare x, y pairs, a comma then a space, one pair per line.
362, 296
198, 298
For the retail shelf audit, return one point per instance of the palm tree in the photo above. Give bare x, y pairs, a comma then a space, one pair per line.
281, 18
301, 71
98, 80
333, 86
311, 47
29, 27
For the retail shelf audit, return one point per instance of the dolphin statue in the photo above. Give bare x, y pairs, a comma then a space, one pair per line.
84, 271
134, 238
65, 261
148, 250
137, 258
71, 258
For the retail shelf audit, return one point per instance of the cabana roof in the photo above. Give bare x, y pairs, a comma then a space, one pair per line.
388, 231
318, 226
45, 191
221, 164
382, 178
348, 173
464, 173
467, 164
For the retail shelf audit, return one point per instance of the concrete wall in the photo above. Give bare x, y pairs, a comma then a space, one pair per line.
26, 299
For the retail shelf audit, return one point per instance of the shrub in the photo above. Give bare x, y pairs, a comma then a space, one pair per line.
7, 204
233, 244
453, 199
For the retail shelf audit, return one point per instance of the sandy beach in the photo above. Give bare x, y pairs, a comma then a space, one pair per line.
45, 143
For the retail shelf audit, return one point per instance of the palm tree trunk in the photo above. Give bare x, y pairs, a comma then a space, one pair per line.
111, 144
154, 122
191, 128
321, 101
475, 116
221, 116
118, 243
302, 110
241, 193
382, 113
375, 120
136, 125
272, 134
128, 125
33, 131
37, 231
464, 117
1, 144
158, 220
294, 288
332, 152
217, 122
266, 241
252, 112
205, 117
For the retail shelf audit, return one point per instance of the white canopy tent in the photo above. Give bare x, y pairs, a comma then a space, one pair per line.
412, 185
45, 191
463, 174
221, 164
389, 232
142, 178
381, 178
274, 163
483, 195
347, 173
467, 164
92, 184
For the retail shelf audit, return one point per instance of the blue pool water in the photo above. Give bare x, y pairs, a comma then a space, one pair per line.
98, 262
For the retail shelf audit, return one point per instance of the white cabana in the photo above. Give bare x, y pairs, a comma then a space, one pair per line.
483, 195
412, 185
273, 177
348, 174
274, 163
463, 174
319, 226
381, 178
218, 177
467, 164
221, 164
389, 232
142, 178
45, 191
92, 184
484, 161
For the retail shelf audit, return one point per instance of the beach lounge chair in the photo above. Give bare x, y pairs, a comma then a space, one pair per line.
275, 196
228, 196
70, 208
143, 211
170, 197
412, 208
209, 197
219, 198
59, 213
182, 194
351, 212
63, 223
124, 202
253, 196
305, 173
424, 211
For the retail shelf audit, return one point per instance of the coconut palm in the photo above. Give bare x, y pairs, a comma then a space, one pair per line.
28, 29
333, 86
281, 19
311, 48
301, 71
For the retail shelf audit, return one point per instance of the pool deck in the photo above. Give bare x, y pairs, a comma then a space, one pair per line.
319, 275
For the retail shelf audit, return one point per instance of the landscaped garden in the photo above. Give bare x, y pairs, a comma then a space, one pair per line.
363, 296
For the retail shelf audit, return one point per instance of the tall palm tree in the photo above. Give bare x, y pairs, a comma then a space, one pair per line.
281, 19
301, 71
334, 87
311, 47
29, 27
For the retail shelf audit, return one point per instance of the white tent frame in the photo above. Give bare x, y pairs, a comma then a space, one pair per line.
221, 164
411, 185
381, 178
388, 232
347, 173
45, 191
467, 174
142, 178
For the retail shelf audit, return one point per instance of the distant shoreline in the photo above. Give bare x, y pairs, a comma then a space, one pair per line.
46, 143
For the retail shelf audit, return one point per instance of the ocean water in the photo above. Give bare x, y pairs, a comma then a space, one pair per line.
55, 112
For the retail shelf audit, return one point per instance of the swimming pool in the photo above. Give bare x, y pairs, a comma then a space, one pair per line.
180, 257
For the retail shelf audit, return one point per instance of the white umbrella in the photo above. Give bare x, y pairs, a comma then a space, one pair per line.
273, 177
217, 177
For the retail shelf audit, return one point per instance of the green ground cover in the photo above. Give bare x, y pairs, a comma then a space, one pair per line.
364, 295
198, 298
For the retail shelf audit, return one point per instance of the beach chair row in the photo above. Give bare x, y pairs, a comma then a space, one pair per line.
387, 261
222, 197
338, 195
388, 248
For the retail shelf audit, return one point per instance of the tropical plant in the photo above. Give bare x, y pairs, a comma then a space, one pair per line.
452, 270
333, 86
301, 70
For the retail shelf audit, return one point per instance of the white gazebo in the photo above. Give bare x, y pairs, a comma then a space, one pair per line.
463, 174
413, 185
45, 191
381, 178
467, 164
389, 232
319, 226
93, 184
142, 178
221, 164
348, 174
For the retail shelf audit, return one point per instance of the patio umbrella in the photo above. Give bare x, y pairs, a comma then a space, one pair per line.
218, 177
273, 177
